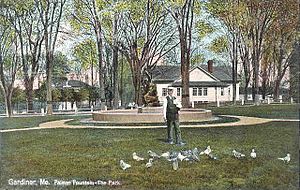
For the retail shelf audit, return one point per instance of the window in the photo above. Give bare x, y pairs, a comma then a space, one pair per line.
205, 92
199, 91
222, 91
228, 91
194, 91
164, 92
178, 91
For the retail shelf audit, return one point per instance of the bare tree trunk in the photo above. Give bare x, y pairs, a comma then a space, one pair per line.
234, 66
121, 81
185, 76
115, 61
49, 71
115, 78
8, 104
29, 95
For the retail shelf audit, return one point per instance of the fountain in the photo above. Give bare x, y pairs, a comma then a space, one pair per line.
149, 115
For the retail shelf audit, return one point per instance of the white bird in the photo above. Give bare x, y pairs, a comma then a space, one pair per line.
136, 157
165, 155
237, 154
153, 154
123, 165
286, 159
181, 157
207, 151
195, 151
175, 164
195, 157
149, 163
253, 154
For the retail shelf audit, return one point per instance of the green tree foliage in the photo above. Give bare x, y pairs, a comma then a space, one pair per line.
56, 95
81, 95
41, 93
203, 29
18, 95
219, 45
85, 53
61, 68
67, 95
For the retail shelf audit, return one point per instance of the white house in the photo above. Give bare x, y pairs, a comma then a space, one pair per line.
207, 84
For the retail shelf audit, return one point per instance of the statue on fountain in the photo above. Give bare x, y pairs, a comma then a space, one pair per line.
151, 98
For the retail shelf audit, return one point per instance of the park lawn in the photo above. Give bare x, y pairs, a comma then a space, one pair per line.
94, 154
34, 121
274, 111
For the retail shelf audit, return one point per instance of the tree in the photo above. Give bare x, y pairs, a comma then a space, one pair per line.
61, 67
295, 72
9, 61
183, 14
26, 22
281, 39
51, 14
85, 54
9, 65
145, 38
86, 17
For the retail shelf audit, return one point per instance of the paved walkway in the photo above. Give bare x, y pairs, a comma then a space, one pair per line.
62, 124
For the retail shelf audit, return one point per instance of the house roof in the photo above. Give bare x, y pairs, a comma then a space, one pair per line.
202, 84
168, 73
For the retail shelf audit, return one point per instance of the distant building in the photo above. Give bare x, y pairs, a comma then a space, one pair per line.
207, 83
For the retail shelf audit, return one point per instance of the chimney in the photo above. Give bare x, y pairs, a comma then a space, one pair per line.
210, 67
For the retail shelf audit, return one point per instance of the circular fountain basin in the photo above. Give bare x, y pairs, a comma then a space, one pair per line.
150, 115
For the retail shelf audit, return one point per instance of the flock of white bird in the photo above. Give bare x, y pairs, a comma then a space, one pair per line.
188, 155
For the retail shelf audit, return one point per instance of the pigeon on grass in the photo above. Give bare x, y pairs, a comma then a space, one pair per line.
207, 151
253, 154
175, 164
124, 165
153, 154
149, 163
136, 157
181, 157
238, 155
165, 155
286, 159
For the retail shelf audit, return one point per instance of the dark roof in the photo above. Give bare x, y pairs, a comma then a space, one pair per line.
167, 73
202, 84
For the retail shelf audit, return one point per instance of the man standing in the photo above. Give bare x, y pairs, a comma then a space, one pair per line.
171, 107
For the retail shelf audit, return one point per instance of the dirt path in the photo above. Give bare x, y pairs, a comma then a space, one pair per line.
62, 124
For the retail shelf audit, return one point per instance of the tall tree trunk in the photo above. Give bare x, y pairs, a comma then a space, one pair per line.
100, 65
115, 62
185, 76
49, 71
8, 103
121, 81
115, 78
29, 95
277, 88
234, 67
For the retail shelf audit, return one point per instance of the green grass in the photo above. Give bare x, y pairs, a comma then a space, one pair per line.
276, 111
26, 122
94, 154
